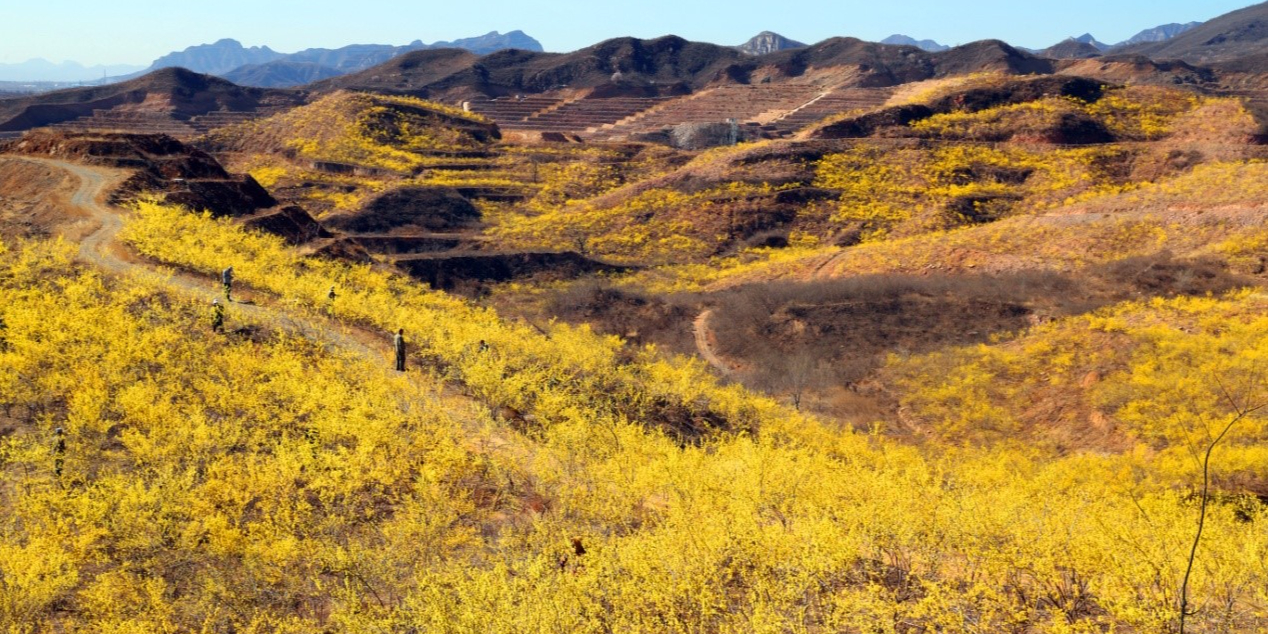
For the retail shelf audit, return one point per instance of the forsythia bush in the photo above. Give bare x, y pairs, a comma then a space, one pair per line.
895, 192
1163, 371
251, 482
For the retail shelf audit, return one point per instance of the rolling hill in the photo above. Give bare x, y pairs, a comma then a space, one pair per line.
671, 63
171, 93
281, 74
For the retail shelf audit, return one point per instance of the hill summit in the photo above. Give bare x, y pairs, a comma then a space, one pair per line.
768, 42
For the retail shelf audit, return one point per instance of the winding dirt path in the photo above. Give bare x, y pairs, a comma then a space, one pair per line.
704, 344
102, 249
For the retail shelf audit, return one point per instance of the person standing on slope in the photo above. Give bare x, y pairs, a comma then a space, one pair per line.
226, 280
398, 343
217, 316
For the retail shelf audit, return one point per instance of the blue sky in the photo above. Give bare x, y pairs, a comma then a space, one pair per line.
138, 31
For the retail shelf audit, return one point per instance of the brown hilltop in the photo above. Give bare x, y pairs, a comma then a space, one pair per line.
1071, 48
1138, 69
175, 93
672, 65
988, 56
164, 168
666, 60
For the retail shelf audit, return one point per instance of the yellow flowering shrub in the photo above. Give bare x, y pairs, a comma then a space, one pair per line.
254, 482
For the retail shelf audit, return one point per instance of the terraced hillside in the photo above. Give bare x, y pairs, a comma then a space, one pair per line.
410, 182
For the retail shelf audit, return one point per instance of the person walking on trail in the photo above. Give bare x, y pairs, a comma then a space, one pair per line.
217, 316
59, 451
398, 343
330, 300
226, 280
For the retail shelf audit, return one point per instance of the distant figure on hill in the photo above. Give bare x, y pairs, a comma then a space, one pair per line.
398, 343
226, 280
217, 316
330, 300
483, 347
59, 451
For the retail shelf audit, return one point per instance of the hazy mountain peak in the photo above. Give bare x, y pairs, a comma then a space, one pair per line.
1087, 38
221, 57
1160, 33
931, 46
768, 42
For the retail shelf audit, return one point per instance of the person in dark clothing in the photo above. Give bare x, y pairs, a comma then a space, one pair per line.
59, 451
217, 316
226, 280
398, 343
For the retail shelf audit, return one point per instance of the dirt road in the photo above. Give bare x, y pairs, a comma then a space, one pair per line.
704, 344
101, 249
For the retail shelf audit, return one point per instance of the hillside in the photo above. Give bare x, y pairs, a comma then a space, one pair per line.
164, 96
666, 60
848, 338
280, 74
1024, 374
1242, 33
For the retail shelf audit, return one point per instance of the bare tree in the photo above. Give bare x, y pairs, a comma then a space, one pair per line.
1240, 412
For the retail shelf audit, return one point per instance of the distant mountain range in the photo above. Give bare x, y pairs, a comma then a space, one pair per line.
1240, 34
1083, 46
42, 70
262, 66
1086, 45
